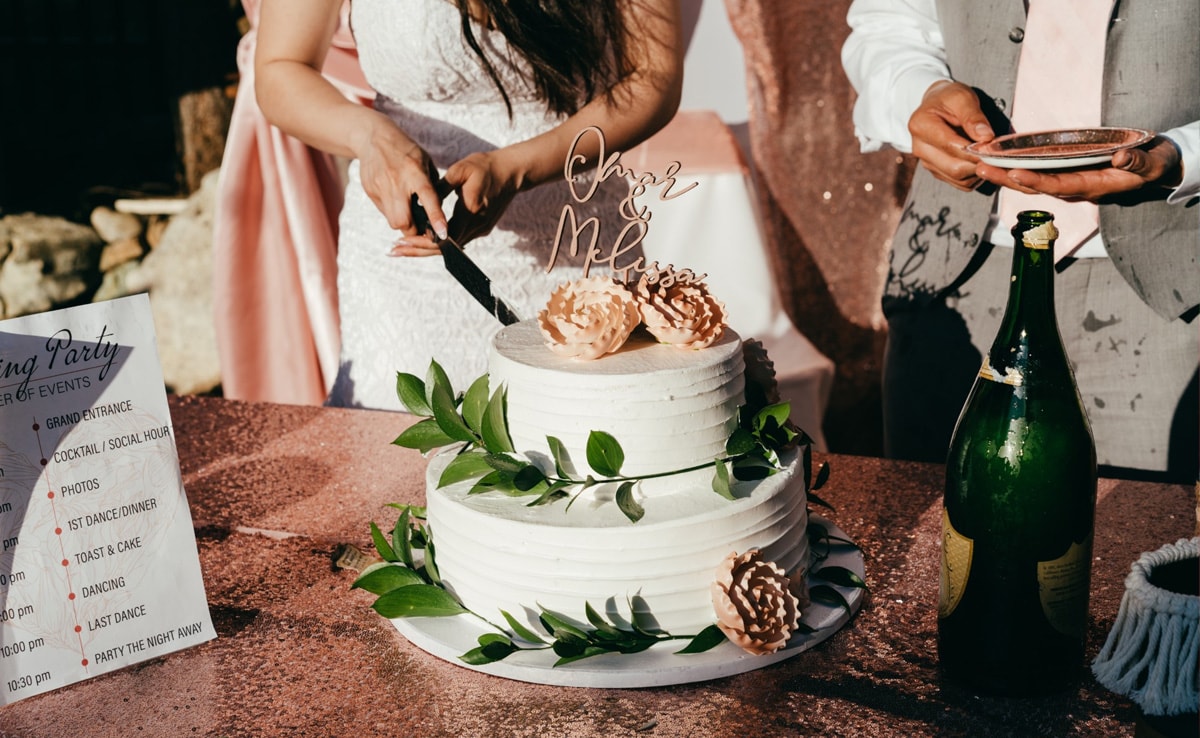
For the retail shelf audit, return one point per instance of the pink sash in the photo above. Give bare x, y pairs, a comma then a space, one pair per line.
275, 244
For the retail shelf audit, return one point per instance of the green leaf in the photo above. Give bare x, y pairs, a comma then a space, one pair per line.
634, 644
424, 435
475, 657
436, 377
411, 391
528, 478
498, 650
417, 511
419, 538
627, 504
490, 652
520, 629
704, 640
827, 595
741, 441
720, 482
778, 412
494, 481
385, 577
822, 477
381, 544
431, 569
495, 425
752, 468
841, 576
818, 501
586, 653
475, 404
417, 600
402, 538
559, 626
569, 645
464, 466
503, 463
598, 621
604, 454
563, 465
487, 638
445, 412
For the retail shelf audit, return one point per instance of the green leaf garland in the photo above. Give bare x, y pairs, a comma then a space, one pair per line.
405, 591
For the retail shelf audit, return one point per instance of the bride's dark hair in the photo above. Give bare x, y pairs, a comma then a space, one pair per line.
575, 49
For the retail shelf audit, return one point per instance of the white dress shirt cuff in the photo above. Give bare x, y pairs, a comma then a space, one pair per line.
1187, 139
907, 90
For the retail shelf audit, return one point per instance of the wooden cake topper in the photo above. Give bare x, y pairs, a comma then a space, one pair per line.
585, 235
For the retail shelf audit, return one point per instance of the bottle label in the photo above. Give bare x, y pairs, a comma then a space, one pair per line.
957, 551
1063, 588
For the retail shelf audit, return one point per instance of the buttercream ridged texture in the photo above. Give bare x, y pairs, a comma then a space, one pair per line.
669, 408
496, 553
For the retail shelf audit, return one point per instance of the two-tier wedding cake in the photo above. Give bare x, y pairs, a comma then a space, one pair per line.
670, 409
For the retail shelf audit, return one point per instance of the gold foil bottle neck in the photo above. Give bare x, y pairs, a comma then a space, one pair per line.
1040, 237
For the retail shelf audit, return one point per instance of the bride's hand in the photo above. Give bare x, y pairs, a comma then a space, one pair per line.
485, 186
393, 170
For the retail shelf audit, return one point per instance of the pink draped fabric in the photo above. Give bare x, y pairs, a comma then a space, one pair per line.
275, 244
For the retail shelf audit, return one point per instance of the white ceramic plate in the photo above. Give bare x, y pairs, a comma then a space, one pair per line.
1062, 149
450, 637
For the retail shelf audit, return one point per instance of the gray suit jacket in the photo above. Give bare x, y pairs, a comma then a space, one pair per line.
1152, 80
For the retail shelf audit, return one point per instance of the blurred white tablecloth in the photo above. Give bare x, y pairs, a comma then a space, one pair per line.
715, 229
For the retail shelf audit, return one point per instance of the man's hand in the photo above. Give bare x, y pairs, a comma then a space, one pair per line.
1154, 165
947, 121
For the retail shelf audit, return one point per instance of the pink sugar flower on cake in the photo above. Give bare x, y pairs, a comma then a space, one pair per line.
680, 313
753, 599
588, 318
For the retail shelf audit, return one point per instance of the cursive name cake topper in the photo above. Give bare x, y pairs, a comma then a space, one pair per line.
585, 235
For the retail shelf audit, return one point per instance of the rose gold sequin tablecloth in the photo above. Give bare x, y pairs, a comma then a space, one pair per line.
274, 489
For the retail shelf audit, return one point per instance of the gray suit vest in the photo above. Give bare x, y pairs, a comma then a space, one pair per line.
1152, 80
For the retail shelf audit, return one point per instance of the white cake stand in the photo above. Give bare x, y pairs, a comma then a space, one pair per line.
660, 665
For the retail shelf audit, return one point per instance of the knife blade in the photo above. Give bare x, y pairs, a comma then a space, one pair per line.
466, 272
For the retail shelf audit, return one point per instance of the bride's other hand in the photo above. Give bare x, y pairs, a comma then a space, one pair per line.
485, 185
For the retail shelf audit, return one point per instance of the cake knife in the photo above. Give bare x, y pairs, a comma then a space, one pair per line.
467, 272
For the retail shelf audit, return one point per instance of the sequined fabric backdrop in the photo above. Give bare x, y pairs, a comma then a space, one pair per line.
828, 210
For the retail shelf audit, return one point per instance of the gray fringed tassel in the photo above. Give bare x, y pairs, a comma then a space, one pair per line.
1152, 654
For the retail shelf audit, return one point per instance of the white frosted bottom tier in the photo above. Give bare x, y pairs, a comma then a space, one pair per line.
496, 553
450, 637
669, 408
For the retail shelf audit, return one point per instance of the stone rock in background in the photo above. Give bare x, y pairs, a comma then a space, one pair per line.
116, 253
113, 226
48, 263
178, 276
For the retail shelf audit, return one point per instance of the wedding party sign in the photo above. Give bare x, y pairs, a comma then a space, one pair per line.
98, 560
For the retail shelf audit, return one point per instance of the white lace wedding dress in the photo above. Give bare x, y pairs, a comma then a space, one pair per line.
399, 313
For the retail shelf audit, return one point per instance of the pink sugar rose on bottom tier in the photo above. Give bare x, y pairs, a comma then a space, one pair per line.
753, 599
588, 318
680, 313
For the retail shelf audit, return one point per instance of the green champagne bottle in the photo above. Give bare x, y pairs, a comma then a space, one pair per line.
1020, 499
